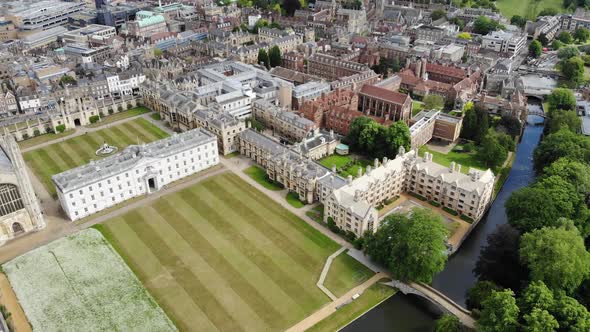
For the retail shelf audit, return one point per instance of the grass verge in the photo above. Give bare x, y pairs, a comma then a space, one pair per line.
259, 175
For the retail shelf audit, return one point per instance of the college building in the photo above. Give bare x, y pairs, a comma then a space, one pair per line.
137, 170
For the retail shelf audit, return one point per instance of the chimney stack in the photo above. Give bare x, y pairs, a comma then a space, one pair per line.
452, 167
376, 163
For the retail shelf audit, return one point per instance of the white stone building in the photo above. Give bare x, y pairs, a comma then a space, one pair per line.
137, 170
20, 211
506, 42
125, 83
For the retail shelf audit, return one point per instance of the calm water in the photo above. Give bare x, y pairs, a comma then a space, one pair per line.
409, 313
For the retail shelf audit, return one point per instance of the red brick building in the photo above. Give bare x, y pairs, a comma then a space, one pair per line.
383, 103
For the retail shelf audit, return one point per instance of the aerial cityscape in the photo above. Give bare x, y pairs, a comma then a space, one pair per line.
295, 165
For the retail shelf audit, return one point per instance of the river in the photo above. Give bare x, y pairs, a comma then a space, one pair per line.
402, 313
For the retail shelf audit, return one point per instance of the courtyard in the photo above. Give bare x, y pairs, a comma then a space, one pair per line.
70, 153
345, 165
223, 256
79, 283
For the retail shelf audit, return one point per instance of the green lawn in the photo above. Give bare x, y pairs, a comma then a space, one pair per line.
120, 116
231, 155
341, 264
259, 175
466, 160
42, 139
79, 150
343, 316
316, 213
222, 256
417, 107
341, 161
293, 200
527, 8
156, 116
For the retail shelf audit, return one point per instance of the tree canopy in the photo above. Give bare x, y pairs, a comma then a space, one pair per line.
500, 313
274, 56
540, 321
434, 102
412, 246
559, 119
557, 256
565, 53
367, 137
263, 58
561, 99
581, 34
535, 49
560, 144
573, 69
475, 123
464, 35
518, 20
437, 14
484, 25
480, 292
565, 37
448, 323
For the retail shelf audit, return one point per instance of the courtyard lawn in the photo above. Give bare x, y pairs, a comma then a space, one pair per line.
222, 256
417, 107
293, 200
527, 8
259, 175
43, 139
79, 283
341, 264
466, 160
79, 150
346, 314
316, 213
341, 161
120, 116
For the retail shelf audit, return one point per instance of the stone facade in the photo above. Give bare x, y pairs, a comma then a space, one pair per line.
385, 104
287, 125
333, 68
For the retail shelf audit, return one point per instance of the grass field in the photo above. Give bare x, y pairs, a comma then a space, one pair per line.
417, 107
293, 199
79, 150
341, 161
465, 159
120, 116
221, 256
343, 316
259, 175
79, 283
43, 138
342, 264
527, 8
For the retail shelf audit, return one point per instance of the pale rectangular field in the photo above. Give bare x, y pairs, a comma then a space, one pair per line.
79, 283
222, 256
79, 150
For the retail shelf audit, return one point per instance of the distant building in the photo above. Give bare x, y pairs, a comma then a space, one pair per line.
383, 103
137, 170
146, 24
510, 43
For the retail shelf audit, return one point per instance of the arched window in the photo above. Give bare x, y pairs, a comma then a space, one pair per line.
10, 199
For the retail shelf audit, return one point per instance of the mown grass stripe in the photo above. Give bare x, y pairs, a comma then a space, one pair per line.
60, 153
299, 225
78, 152
154, 130
116, 134
171, 296
143, 137
238, 283
257, 220
90, 144
290, 284
184, 276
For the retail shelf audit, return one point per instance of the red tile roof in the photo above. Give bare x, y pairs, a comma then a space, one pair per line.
384, 94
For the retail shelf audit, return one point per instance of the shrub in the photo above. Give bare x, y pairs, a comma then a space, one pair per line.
433, 203
36, 132
332, 226
111, 111
350, 236
60, 128
120, 108
450, 211
49, 130
25, 136
101, 113
156, 116
466, 218
94, 119
420, 197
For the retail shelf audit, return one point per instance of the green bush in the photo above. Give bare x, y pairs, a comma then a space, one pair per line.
420, 197
433, 203
450, 211
332, 226
156, 116
36, 132
49, 130
94, 119
111, 111
25, 136
466, 218
60, 128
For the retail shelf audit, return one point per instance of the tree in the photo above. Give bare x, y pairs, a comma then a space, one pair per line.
398, 134
559, 119
434, 102
158, 52
480, 292
263, 58
67, 80
412, 246
245, 3
543, 39
556, 256
458, 22
500, 313
561, 99
475, 123
535, 49
437, 14
60, 128
484, 25
571, 315
575, 172
354, 132
565, 37
540, 321
581, 34
536, 296
512, 124
448, 323
464, 35
556, 45
565, 53
573, 69
518, 20
499, 260
290, 6
386, 65
548, 12
274, 56
491, 152
563, 143
505, 140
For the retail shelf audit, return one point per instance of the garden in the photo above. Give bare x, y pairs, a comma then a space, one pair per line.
345, 165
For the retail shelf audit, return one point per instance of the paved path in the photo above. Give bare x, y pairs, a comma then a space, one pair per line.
9, 300
324, 274
331, 307
58, 227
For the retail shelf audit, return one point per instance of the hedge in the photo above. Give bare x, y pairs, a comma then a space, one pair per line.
466, 218
433, 203
451, 211
420, 197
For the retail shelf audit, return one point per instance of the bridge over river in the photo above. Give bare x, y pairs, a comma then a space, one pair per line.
437, 298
